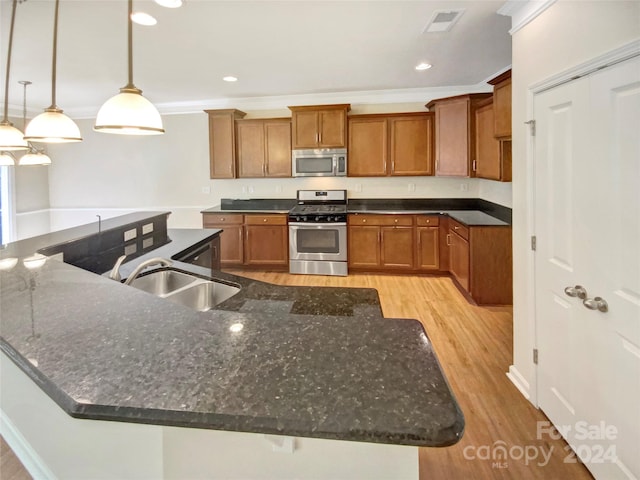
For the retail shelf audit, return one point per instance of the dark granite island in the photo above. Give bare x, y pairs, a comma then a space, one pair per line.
276, 382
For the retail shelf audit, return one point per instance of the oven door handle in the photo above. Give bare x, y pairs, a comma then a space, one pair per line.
308, 224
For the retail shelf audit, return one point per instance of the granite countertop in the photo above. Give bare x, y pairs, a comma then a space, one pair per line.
469, 211
313, 362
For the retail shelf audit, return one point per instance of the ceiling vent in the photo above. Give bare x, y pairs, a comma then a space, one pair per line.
442, 21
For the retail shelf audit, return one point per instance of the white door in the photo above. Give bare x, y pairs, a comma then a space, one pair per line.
587, 217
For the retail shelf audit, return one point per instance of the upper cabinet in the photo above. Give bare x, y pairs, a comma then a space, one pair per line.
502, 105
264, 147
492, 156
390, 144
222, 142
455, 133
319, 126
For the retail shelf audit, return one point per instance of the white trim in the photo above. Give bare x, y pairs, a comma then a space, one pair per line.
519, 381
522, 12
31, 461
617, 55
366, 97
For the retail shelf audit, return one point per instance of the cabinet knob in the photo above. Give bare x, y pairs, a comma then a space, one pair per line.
364, 220
396, 220
222, 219
455, 227
264, 219
428, 221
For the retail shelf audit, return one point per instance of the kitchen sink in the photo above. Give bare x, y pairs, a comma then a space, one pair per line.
184, 288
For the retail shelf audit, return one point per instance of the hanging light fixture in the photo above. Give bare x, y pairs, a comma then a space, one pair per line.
53, 126
129, 113
10, 137
34, 156
6, 159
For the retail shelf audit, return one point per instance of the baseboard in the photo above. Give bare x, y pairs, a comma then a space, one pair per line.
27, 455
518, 380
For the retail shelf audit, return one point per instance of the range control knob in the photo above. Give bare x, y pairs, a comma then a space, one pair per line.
318, 218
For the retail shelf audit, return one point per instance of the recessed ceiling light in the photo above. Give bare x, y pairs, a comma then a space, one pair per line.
169, 3
423, 66
230, 78
142, 18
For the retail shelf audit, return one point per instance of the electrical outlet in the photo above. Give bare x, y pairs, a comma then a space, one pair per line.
358, 187
278, 188
244, 189
206, 190
464, 187
250, 189
412, 187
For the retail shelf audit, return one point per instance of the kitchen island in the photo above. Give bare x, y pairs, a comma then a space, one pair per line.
276, 382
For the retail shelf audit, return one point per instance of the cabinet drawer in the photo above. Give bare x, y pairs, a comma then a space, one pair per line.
459, 229
384, 220
222, 219
428, 221
265, 219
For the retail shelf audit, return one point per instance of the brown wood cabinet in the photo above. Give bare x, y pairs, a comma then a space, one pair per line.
480, 260
264, 147
455, 133
222, 142
384, 145
319, 126
428, 242
252, 240
492, 156
502, 104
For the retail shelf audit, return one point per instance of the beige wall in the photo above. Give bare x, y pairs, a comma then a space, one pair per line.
110, 174
565, 35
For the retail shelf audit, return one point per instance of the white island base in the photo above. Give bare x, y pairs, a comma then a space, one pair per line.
51, 445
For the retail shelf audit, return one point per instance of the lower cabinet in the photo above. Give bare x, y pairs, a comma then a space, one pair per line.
480, 260
251, 240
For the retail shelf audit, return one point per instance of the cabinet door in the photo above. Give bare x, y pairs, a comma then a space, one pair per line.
305, 129
502, 105
332, 128
251, 151
367, 147
222, 143
397, 247
411, 140
428, 257
487, 155
459, 259
231, 245
266, 245
364, 246
277, 148
452, 138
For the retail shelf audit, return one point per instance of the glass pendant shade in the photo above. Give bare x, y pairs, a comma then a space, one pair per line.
129, 113
52, 126
6, 160
11, 138
36, 158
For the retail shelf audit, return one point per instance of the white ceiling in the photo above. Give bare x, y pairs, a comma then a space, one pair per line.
274, 48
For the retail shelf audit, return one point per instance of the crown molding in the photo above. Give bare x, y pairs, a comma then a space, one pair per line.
523, 12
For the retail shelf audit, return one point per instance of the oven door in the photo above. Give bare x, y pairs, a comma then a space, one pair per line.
318, 241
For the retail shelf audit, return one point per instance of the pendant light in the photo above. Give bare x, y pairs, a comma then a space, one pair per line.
6, 159
53, 126
129, 113
10, 137
34, 156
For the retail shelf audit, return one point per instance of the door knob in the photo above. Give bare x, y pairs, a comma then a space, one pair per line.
597, 303
577, 291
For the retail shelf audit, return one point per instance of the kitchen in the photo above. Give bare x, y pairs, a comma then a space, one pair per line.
172, 186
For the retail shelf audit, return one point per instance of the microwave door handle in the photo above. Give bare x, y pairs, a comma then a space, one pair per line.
335, 165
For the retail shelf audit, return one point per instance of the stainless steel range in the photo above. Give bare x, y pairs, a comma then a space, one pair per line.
318, 233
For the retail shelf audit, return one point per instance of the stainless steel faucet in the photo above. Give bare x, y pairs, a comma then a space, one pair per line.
147, 263
115, 271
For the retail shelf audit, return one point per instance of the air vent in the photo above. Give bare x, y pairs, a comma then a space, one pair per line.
442, 21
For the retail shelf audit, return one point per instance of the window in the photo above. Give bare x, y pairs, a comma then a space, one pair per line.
6, 206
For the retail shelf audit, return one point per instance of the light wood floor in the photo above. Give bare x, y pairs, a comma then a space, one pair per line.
474, 346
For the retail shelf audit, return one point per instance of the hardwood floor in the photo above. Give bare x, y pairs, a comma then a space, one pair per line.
10, 466
474, 346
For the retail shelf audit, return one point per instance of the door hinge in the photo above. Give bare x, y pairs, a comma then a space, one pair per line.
535, 356
534, 242
532, 124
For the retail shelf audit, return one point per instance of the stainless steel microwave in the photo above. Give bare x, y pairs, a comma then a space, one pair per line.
320, 162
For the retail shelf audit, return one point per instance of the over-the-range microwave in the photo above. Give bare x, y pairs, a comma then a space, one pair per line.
320, 162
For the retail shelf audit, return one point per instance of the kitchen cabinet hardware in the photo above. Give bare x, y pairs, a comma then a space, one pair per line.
448, 239
577, 291
597, 303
